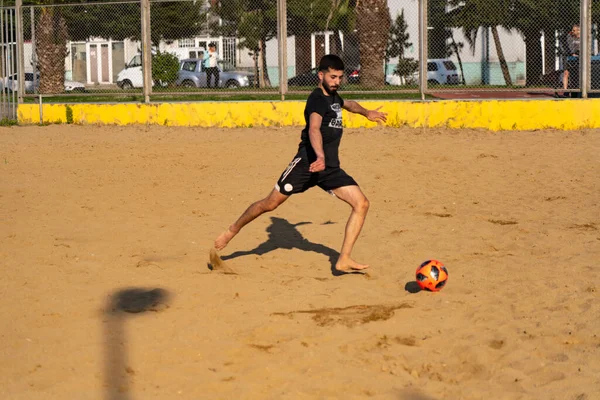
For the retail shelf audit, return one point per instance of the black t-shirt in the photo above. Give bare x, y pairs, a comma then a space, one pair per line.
330, 108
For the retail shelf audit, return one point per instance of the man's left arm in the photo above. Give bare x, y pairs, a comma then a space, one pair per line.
371, 115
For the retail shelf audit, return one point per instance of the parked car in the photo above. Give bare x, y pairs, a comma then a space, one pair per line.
192, 74
353, 77
442, 71
310, 78
131, 76
11, 84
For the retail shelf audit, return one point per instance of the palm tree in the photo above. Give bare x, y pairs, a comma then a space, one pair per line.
530, 18
341, 18
254, 23
373, 25
51, 44
472, 15
305, 18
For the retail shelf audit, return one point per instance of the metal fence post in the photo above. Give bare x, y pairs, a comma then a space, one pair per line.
20, 47
282, 40
146, 50
584, 52
3, 95
423, 47
33, 48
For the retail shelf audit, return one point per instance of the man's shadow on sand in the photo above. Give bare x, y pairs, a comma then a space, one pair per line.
284, 235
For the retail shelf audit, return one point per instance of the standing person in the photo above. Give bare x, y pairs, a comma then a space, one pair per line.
317, 164
203, 59
573, 46
213, 66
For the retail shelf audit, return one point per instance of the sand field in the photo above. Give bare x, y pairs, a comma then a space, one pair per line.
98, 224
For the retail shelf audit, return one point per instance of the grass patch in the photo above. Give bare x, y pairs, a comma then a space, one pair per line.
158, 96
69, 115
8, 122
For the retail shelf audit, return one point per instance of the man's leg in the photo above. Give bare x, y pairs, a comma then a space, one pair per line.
208, 76
360, 206
566, 79
269, 203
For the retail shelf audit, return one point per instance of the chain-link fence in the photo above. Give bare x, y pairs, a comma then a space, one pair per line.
8, 64
79, 49
504, 44
272, 47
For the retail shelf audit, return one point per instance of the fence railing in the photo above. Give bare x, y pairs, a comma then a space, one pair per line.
153, 49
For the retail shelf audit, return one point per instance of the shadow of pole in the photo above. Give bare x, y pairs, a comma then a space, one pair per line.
121, 304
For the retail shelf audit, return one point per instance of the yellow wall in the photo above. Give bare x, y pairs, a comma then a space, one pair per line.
488, 114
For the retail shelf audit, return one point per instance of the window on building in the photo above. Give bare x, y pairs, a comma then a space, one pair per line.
187, 42
229, 48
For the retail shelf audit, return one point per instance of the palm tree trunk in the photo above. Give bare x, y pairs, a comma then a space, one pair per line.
259, 67
501, 57
303, 56
257, 76
533, 52
373, 25
549, 51
457, 52
51, 45
263, 61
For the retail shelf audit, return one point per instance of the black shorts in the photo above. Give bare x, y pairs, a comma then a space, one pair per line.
297, 178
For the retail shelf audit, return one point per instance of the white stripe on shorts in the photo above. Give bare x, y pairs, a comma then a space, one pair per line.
290, 168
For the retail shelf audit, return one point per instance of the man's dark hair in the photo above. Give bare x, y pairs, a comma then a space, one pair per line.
331, 61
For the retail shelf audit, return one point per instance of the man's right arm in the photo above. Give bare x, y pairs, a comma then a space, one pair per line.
316, 141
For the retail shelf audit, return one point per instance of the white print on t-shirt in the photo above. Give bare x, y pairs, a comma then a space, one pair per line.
336, 122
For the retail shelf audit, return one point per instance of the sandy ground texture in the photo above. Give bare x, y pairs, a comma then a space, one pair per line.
106, 291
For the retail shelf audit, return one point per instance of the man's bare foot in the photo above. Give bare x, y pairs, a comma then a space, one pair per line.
224, 239
346, 264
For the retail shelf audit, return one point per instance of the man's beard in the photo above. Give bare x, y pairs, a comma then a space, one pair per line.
328, 88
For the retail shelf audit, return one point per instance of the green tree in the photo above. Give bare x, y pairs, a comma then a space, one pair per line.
397, 39
439, 23
398, 42
304, 18
83, 20
253, 23
530, 18
165, 67
472, 15
119, 21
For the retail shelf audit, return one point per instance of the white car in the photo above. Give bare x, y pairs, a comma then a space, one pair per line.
131, 76
11, 84
440, 71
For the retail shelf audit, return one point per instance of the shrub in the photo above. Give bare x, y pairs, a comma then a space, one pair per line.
164, 68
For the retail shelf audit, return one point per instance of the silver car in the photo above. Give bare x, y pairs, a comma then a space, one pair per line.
11, 84
192, 75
